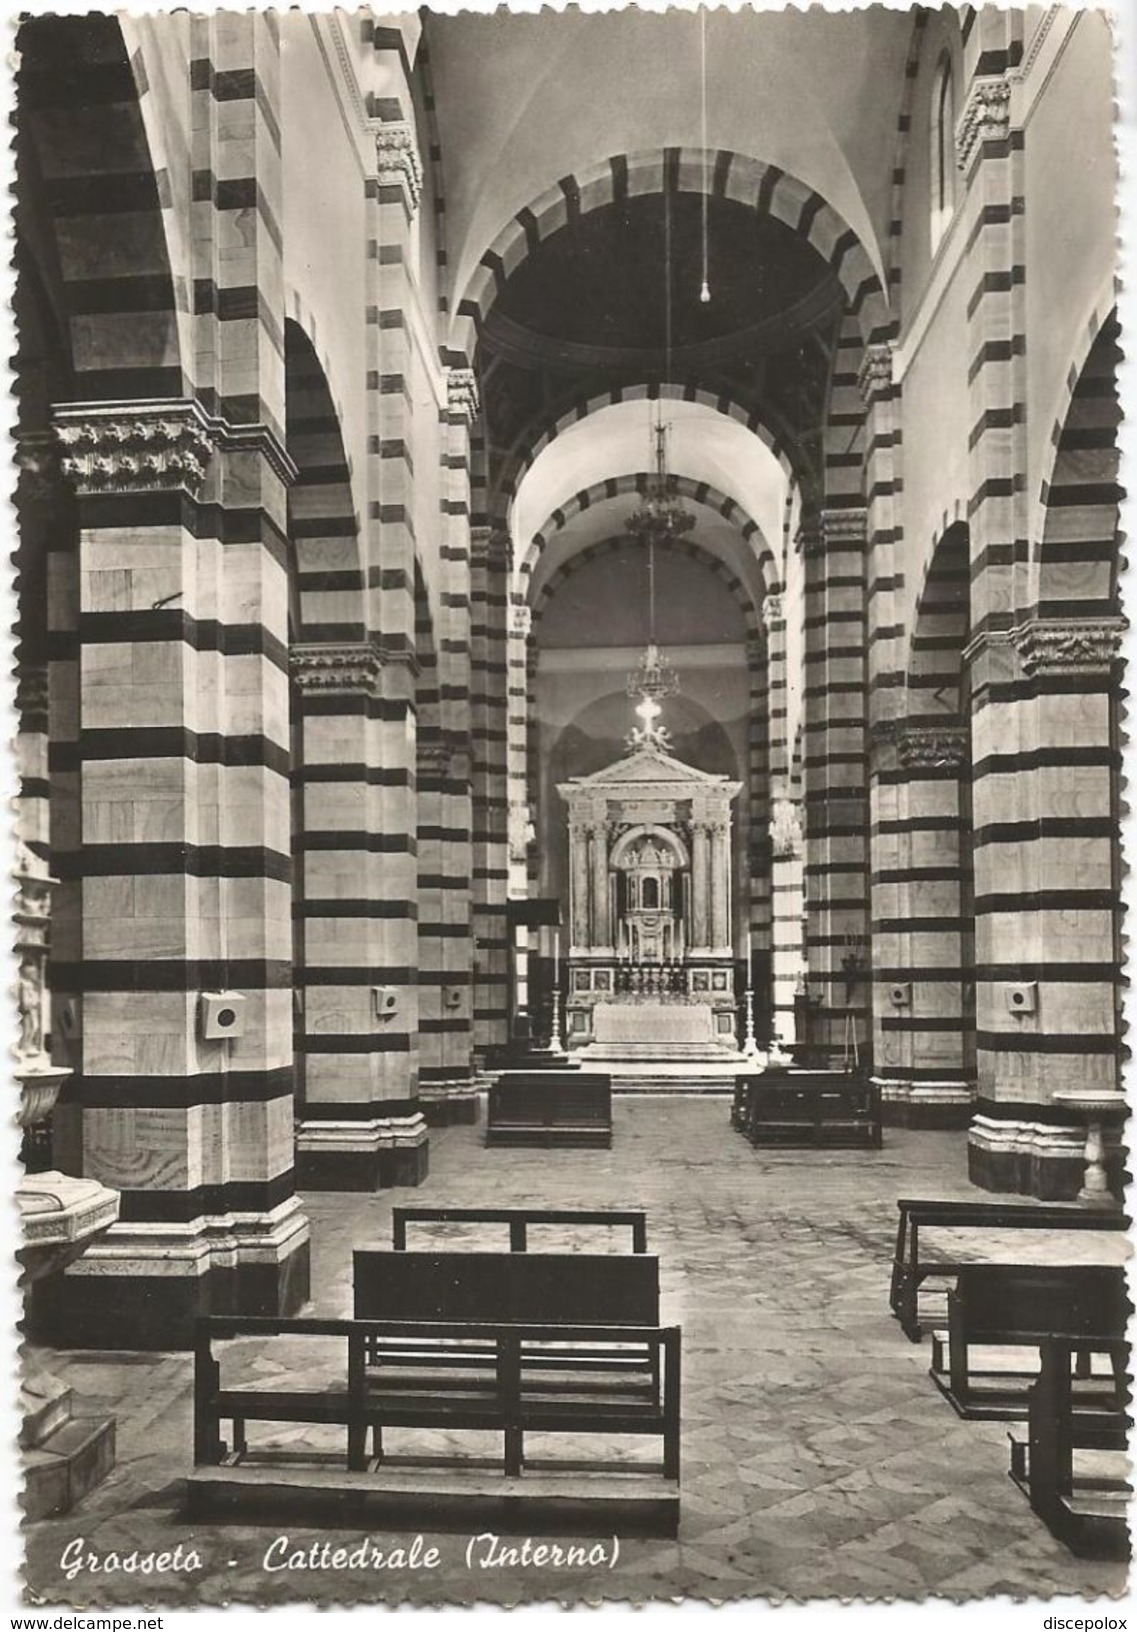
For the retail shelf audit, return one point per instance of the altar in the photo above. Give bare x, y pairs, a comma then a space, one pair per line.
651, 955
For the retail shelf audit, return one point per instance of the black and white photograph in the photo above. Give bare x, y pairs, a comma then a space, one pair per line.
567, 748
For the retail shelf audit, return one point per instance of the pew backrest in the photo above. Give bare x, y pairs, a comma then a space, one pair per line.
499, 1287
916, 1214
521, 1219
1000, 1302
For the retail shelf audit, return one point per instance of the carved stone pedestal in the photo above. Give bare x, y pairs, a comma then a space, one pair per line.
64, 1456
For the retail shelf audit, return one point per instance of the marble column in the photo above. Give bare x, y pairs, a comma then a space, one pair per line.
700, 868
720, 887
598, 870
578, 862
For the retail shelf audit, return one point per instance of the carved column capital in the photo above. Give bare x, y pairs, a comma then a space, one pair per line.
773, 611
1069, 645
986, 117
874, 378
844, 529
397, 160
462, 400
934, 746
134, 447
354, 667
521, 621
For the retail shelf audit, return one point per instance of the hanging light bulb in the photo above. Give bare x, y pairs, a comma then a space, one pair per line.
705, 291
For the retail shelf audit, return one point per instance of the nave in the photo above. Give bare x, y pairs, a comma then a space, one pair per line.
819, 1460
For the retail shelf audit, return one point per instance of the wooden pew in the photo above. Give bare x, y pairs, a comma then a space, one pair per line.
542, 1288
515, 1379
554, 1108
808, 1108
1084, 1507
908, 1272
520, 1220
1013, 1306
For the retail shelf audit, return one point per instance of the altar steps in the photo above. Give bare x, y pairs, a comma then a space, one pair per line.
662, 1053
689, 1082
663, 1076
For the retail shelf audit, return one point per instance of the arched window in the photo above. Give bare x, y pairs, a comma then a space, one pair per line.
943, 150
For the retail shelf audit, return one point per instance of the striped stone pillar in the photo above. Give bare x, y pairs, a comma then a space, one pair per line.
922, 903
836, 879
182, 1097
1047, 898
444, 854
785, 838
360, 1127
754, 881
517, 721
444, 925
490, 560
394, 194
880, 395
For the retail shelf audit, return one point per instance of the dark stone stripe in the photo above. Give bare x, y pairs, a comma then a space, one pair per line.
227, 1087
169, 623
183, 1206
385, 1042
197, 861
169, 742
1046, 827
1047, 758
360, 1110
1037, 1042
172, 974
371, 775
1026, 901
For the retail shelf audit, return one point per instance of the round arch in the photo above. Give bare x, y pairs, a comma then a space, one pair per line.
939, 632
329, 588
739, 177
691, 548
131, 339
636, 482
1077, 572
671, 841
525, 455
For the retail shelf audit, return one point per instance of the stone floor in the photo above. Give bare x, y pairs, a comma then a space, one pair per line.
819, 1460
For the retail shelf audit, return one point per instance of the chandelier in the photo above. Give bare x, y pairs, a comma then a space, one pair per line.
660, 518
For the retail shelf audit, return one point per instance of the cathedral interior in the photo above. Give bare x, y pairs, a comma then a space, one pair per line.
568, 600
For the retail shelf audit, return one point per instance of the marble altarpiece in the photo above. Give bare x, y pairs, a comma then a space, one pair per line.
651, 955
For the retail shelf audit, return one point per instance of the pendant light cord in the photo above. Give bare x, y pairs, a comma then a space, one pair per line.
705, 290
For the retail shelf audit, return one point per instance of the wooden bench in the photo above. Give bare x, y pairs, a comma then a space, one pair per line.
545, 1288
1013, 1306
550, 1108
1084, 1506
514, 1379
520, 1220
908, 1272
808, 1108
